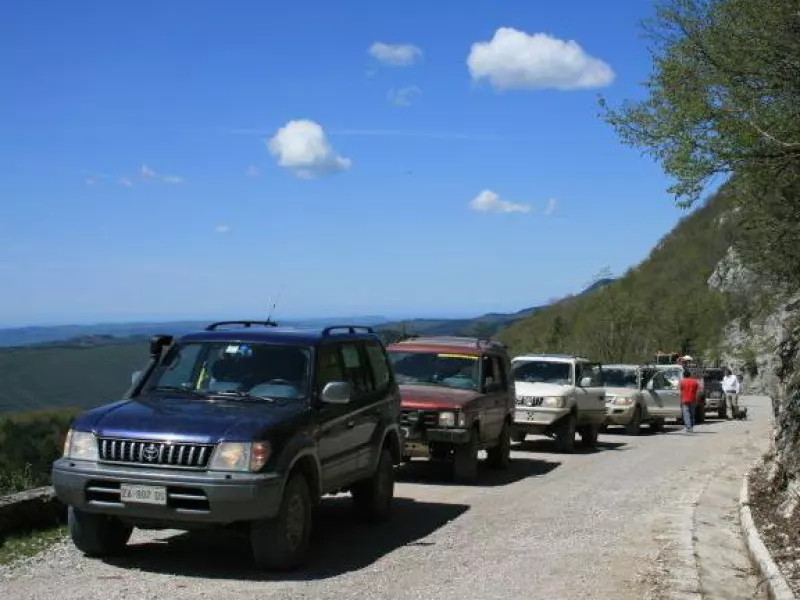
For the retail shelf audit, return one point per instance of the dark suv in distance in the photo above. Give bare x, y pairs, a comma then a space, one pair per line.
458, 399
712, 385
246, 427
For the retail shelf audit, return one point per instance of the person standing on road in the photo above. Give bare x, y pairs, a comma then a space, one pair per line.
690, 390
731, 389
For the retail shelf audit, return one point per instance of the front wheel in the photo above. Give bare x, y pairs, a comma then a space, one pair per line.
97, 535
589, 435
499, 457
373, 497
635, 424
565, 433
281, 543
465, 461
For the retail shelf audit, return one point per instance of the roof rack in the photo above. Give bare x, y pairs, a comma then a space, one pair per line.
455, 340
267, 323
349, 328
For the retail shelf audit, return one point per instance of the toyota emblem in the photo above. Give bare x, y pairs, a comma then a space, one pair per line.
150, 453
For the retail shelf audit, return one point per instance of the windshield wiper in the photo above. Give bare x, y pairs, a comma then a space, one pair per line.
243, 396
177, 388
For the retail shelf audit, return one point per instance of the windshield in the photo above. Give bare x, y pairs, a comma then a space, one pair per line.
232, 368
432, 368
540, 371
619, 377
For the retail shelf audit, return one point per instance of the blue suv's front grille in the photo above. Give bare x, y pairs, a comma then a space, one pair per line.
150, 453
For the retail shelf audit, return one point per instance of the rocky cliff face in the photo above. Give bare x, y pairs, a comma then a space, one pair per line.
765, 345
749, 343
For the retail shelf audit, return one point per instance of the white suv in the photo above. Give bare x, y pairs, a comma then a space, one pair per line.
557, 396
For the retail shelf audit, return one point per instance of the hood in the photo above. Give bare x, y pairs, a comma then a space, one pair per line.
527, 388
185, 419
434, 397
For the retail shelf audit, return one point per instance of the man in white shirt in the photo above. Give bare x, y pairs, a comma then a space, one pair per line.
731, 388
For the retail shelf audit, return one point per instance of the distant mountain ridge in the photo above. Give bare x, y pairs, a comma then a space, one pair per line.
483, 325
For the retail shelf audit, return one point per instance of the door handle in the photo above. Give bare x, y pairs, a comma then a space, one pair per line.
350, 424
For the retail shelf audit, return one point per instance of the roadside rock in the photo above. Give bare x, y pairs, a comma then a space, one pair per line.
30, 509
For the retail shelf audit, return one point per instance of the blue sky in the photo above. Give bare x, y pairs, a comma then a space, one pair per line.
186, 159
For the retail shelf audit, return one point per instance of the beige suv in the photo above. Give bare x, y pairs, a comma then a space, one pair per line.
557, 396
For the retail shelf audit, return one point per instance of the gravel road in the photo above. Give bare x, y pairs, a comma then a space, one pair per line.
614, 523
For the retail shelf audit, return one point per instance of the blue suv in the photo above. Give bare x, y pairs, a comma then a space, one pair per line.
243, 424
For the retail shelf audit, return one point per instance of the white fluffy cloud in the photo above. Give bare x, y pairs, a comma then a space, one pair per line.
395, 55
513, 59
147, 173
552, 204
302, 146
488, 201
403, 96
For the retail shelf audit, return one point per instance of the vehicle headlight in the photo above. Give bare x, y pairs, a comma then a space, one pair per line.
554, 402
623, 400
240, 456
80, 445
447, 419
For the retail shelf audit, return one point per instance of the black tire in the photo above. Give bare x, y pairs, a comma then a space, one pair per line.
700, 414
589, 435
635, 424
465, 460
499, 457
565, 433
373, 497
281, 543
97, 535
519, 437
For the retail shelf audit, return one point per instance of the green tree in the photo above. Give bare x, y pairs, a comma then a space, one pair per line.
724, 94
724, 98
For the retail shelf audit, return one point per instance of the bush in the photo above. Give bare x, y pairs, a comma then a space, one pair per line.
29, 443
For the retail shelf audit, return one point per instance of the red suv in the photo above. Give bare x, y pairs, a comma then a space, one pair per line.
457, 398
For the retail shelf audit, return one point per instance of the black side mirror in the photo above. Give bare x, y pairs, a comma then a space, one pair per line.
158, 343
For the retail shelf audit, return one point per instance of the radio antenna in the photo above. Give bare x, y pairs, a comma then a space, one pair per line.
272, 308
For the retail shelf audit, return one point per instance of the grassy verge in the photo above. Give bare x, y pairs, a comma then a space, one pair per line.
24, 544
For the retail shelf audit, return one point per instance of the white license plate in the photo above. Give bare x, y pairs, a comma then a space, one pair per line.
143, 494
524, 415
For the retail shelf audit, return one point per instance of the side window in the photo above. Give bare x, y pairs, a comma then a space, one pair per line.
500, 375
378, 362
329, 366
671, 380
355, 370
488, 370
580, 373
658, 381
588, 374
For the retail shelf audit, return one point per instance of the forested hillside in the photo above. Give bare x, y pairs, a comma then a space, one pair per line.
69, 375
663, 303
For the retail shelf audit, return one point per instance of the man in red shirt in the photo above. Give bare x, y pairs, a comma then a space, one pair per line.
690, 388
